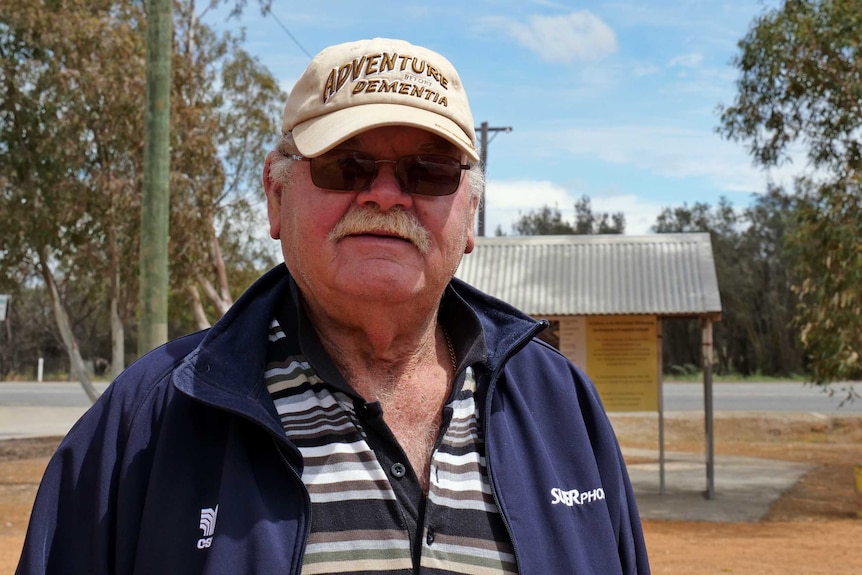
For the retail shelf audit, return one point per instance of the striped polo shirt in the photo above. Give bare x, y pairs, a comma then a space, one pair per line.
368, 512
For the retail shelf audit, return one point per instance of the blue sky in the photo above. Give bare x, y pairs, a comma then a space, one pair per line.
615, 100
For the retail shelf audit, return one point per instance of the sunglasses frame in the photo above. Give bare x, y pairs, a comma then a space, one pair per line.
368, 157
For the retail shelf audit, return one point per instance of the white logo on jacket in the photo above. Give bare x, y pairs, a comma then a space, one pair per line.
574, 497
207, 525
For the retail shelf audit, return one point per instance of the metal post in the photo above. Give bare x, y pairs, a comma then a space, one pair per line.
4, 305
483, 161
661, 455
706, 338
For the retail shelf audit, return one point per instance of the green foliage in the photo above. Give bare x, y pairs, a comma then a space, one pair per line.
546, 221
69, 137
697, 377
684, 370
72, 91
801, 80
753, 266
549, 221
800, 85
829, 310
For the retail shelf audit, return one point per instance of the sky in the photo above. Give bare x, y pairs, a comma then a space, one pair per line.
613, 100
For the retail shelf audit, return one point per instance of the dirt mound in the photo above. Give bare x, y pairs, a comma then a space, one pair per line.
14, 449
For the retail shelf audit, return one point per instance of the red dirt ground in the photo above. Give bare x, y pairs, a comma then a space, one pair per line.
812, 529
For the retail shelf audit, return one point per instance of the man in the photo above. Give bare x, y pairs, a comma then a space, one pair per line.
357, 410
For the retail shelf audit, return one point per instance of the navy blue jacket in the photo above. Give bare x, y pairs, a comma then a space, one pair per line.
189, 431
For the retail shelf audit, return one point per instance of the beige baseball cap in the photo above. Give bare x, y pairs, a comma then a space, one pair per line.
353, 87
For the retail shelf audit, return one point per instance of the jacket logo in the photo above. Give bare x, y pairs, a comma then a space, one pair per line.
575, 497
207, 525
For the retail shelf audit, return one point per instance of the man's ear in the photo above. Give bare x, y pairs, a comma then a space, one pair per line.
273, 192
471, 239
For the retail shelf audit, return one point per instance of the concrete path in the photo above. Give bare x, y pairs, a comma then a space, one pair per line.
34, 421
745, 487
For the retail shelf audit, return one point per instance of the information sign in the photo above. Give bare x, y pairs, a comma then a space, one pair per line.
622, 361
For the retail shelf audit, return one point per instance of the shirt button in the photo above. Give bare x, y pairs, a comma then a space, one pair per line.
429, 537
398, 470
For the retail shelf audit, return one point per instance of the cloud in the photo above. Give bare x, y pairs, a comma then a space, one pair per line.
641, 70
677, 153
506, 201
691, 60
640, 214
569, 38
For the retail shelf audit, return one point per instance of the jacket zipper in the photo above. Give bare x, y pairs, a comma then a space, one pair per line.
307, 498
492, 383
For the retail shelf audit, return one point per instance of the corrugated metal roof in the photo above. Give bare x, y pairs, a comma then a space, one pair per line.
662, 274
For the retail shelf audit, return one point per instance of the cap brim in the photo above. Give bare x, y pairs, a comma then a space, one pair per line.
319, 135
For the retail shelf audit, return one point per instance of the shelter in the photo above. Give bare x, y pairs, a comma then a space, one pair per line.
605, 296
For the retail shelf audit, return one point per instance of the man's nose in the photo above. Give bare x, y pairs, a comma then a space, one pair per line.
385, 191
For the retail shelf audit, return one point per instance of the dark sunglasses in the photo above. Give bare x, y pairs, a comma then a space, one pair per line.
423, 174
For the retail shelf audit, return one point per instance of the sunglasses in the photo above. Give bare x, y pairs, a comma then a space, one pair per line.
422, 174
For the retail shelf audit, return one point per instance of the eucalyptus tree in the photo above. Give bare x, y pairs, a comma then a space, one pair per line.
63, 111
225, 118
768, 223
800, 89
754, 269
71, 119
158, 177
734, 331
589, 222
549, 221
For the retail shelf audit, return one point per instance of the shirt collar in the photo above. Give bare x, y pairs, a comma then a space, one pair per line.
458, 319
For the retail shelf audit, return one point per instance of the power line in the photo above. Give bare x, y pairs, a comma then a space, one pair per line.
292, 37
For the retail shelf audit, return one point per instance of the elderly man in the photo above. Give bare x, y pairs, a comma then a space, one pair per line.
357, 410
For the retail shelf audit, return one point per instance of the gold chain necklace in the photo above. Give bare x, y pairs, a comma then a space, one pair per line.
450, 348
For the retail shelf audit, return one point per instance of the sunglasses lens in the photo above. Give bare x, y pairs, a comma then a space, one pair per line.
422, 174
429, 175
344, 172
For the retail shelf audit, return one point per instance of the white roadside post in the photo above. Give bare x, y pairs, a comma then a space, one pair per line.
4, 304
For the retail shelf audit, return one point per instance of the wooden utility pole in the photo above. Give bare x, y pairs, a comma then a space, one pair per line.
483, 162
155, 212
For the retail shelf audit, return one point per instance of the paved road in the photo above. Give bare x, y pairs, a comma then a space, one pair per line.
745, 487
787, 397
46, 394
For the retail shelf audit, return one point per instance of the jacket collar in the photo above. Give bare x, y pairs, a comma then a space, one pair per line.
226, 369
505, 327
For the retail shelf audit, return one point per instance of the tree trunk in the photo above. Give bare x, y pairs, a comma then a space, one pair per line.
220, 297
63, 324
118, 339
118, 332
221, 305
221, 273
198, 309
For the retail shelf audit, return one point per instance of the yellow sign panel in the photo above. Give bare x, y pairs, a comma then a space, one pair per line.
622, 360
573, 339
